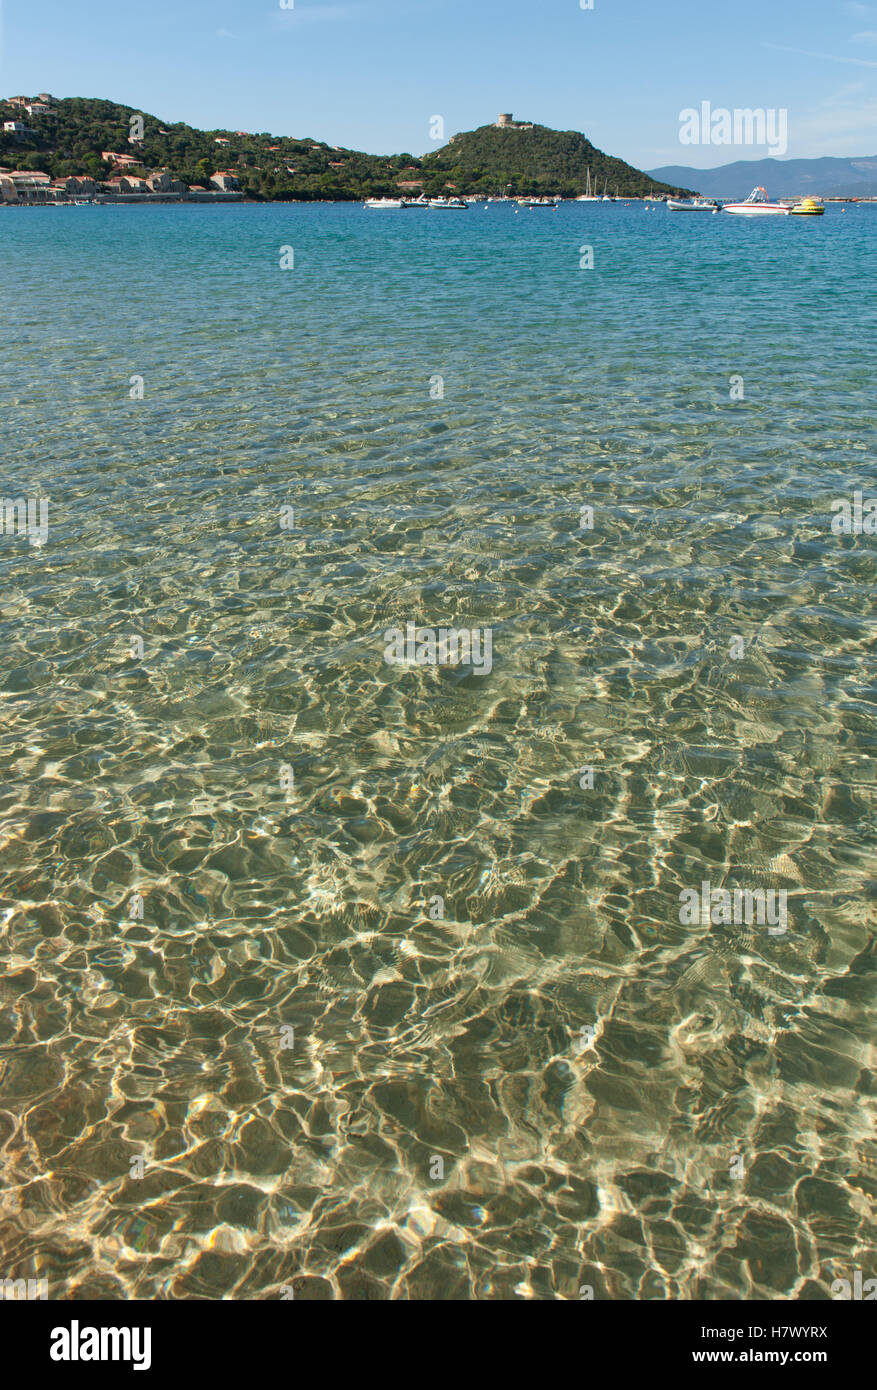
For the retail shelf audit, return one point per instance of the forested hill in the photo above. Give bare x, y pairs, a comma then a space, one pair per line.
73, 136
536, 160
79, 130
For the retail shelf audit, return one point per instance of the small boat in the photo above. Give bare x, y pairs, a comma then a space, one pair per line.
692, 205
538, 202
808, 207
421, 202
448, 205
385, 204
758, 205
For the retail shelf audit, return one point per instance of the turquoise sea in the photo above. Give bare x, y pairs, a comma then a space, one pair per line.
325, 977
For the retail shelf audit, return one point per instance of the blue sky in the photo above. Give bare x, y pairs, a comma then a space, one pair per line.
371, 73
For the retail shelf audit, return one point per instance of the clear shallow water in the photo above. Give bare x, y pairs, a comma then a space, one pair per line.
313, 1168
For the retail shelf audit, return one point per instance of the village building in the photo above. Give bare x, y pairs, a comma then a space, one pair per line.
26, 178
163, 182
80, 185
27, 186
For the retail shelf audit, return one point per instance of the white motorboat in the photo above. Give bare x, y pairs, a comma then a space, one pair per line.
448, 205
538, 202
758, 205
385, 204
421, 202
692, 205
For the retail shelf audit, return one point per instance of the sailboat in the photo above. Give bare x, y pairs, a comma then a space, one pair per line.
588, 197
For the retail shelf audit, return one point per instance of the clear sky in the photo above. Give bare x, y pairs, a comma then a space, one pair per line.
370, 74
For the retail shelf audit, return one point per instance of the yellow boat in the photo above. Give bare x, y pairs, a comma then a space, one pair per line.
809, 208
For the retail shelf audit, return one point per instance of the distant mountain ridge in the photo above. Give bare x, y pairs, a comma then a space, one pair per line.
829, 177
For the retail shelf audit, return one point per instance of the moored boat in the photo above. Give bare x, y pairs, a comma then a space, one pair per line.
692, 205
385, 204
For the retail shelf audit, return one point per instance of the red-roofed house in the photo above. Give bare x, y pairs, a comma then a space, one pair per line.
76, 183
164, 182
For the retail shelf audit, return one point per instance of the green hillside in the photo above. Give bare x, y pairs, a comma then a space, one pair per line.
495, 160
72, 139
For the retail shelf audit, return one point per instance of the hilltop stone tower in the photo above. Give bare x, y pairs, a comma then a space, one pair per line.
507, 123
